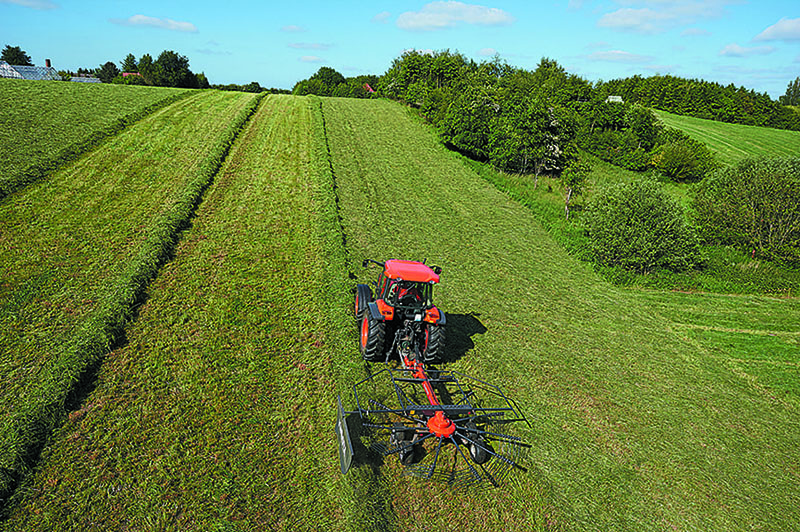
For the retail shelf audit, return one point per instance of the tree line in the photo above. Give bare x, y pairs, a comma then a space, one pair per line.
541, 122
708, 100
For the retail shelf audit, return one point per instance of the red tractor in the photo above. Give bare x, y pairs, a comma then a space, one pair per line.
403, 298
441, 424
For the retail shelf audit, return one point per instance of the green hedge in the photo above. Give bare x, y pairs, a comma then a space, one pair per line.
754, 206
641, 228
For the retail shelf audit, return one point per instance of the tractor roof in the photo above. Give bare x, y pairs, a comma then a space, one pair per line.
409, 270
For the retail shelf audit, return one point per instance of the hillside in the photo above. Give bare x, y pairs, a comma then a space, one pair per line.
216, 410
733, 142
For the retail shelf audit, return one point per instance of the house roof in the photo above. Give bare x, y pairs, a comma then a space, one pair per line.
28, 72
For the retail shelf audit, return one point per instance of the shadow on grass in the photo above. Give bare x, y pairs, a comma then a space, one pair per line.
460, 330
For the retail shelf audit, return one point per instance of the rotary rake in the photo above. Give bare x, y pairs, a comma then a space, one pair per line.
440, 424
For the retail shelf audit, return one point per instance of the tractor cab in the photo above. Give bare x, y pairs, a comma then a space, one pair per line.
407, 285
403, 291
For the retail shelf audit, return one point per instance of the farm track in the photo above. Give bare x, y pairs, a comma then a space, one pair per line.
636, 426
78, 248
216, 412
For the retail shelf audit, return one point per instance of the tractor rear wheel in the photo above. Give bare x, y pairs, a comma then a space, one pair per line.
363, 298
371, 338
433, 343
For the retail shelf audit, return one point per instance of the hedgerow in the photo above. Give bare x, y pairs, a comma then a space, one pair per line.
754, 206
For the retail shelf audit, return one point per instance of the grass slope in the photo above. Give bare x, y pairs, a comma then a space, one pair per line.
44, 125
217, 414
77, 250
734, 142
636, 426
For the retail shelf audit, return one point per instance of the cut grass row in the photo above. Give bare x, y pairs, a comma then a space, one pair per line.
734, 142
217, 413
635, 425
45, 125
80, 248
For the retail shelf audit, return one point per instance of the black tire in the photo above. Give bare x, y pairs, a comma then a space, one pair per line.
433, 343
363, 298
479, 453
371, 337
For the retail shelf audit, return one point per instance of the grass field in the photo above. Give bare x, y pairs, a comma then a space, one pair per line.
68, 245
733, 142
649, 410
636, 425
217, 410
45, 125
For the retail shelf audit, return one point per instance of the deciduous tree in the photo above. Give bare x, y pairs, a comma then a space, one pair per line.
14, 55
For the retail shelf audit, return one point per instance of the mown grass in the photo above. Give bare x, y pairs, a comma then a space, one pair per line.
78, 250
636, 425
218, 412
734, 142
45, 125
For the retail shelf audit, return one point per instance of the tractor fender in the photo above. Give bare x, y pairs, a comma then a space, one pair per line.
380, 312
435, 316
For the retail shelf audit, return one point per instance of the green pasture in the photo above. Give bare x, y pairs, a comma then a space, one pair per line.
636, 426
649, 410
734, 142
44, 125
217, 413
74, 249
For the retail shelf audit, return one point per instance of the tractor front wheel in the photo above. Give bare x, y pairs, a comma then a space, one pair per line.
371, 338
363, 298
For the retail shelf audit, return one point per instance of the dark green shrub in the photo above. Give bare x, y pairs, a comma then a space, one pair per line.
641, 228
755, 206
682, 158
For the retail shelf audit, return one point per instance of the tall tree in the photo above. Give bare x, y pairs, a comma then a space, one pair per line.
792, 96
14, 55
107, 72
147, 69
129, 64
172, 70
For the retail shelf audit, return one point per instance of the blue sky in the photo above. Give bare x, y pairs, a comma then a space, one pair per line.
750, 43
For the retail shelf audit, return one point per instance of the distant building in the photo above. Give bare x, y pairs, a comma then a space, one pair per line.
85, 79
614, 99
38, 73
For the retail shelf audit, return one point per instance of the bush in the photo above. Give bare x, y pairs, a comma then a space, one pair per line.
754, 206
682, 158
641, 228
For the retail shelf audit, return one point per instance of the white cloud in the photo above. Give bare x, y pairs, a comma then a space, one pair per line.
309, 46
734, 50
41, 5
153, 22
382, 17
311, 59
660, 15
291, 28
618, 56
487, 52
786, 29
448, 14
